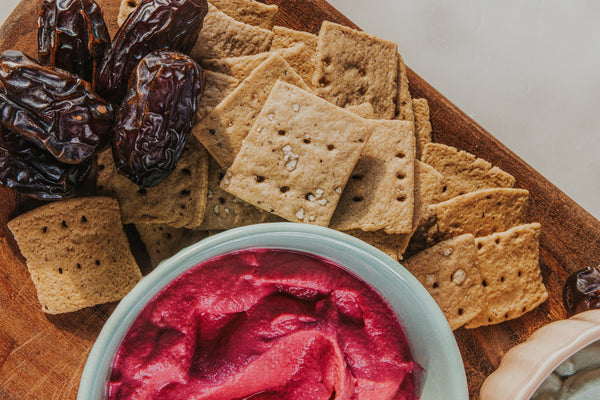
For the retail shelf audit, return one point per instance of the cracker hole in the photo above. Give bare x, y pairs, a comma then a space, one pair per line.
142, 191
308, 196
100, 167
185, 192
400, 175
60, 270
400, 155
483, 283
281, 132
131, 4
330, 147
220, 175
499, 203
307, 141
360, 140
361, 72
362, 90
327, 60
479, 246
212, 131
260, 179
186, 171
489, 196
221, 200
83, 219
358, 177
501, 279
435, 285
444, 189
97, 262
44, 229
323, 82
169, 236
524, 309
490, 319
497, 241
506, 316
182, 206
64, 224
284, 189
78, 266
460, 311
357, 199
401, 198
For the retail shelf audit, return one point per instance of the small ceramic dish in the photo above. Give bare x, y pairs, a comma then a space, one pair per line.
429, 336
526, 366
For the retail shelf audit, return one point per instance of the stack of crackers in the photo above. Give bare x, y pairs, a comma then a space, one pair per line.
322, 129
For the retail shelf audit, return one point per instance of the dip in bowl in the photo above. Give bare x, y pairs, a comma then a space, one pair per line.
423, 334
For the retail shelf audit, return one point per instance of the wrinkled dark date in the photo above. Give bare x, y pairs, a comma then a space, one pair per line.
73, 36
582, 291
155, 120
155, 24
53, 108
35, 172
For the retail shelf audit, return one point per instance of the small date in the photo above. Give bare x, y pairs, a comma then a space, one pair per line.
156, 118
582, 291
34, 171
73, 36
53, 109
155, 24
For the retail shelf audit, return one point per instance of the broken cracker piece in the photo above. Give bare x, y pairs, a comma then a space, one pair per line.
510, 272
404, 102
450, 273
298, 156
77, 253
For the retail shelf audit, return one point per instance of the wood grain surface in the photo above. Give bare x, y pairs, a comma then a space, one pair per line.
42, 356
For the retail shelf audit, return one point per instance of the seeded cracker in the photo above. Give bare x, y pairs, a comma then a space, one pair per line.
450, 273
367, 73
380, 192
422, 124
223, 130
224, 210
482, 213
178, 201
77, 253
222, 36
404, 102
298, 156
248, 11
463, 171
217, 87
510, 273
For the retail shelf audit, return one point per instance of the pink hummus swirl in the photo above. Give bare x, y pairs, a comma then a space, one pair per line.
265, 324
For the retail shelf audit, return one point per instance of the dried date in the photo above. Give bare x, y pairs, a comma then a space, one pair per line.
53, 108
582, 291
34, 171
155, 24
73, 36
155, 120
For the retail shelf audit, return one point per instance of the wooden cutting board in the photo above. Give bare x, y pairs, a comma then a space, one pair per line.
42, 356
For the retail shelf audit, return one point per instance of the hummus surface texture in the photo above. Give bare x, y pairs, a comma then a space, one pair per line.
265, 324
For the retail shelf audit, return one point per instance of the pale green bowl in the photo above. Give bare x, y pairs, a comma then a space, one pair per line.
431, 341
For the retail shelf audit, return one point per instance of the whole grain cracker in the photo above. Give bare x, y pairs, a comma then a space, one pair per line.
450, 273
222, 36
216, 89
77, 253
225, 211
224, 129
482, 212
463, 171
366, 73
285, 37
301, 60
126, 8
404, 102
161, 241
380, 192
422, 124
298, 156
238, 67
249, 11
510, 273
178, 201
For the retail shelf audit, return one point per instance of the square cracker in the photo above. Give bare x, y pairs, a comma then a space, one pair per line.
450, 273
237, 67
77, 253
216, 89
298, 156
224, 129
510, 273
463, 171
249, 11
367, 73
482, 213
224, 210
222, 36
404, 102
422, 124
178, 201
380, 192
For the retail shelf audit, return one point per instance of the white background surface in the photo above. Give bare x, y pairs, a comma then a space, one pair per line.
527, 71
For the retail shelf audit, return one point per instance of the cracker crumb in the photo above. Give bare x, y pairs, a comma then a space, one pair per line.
216, 209
290, 157
300, 214
296, 107
447, 252
459, 277
319, 193
322, 202
270, 116
227, 211
311, 197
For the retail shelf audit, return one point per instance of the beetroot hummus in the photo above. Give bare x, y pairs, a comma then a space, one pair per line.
265, 324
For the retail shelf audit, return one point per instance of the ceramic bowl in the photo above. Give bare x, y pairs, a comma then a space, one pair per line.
527, 365
431, 341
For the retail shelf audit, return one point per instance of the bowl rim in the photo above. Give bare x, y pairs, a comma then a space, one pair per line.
448, 370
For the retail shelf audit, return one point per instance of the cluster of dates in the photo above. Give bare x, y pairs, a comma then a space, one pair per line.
137, 94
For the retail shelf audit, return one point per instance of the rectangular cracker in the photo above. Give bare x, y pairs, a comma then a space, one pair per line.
298, 156
224, 129
510, 273
77, 253
482, 212
366, 73
422, 124
216, 89
463, 171
237, 67
222, 36
249, 11
450, 273
224, 210
404, 102
178, 201
380, 192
